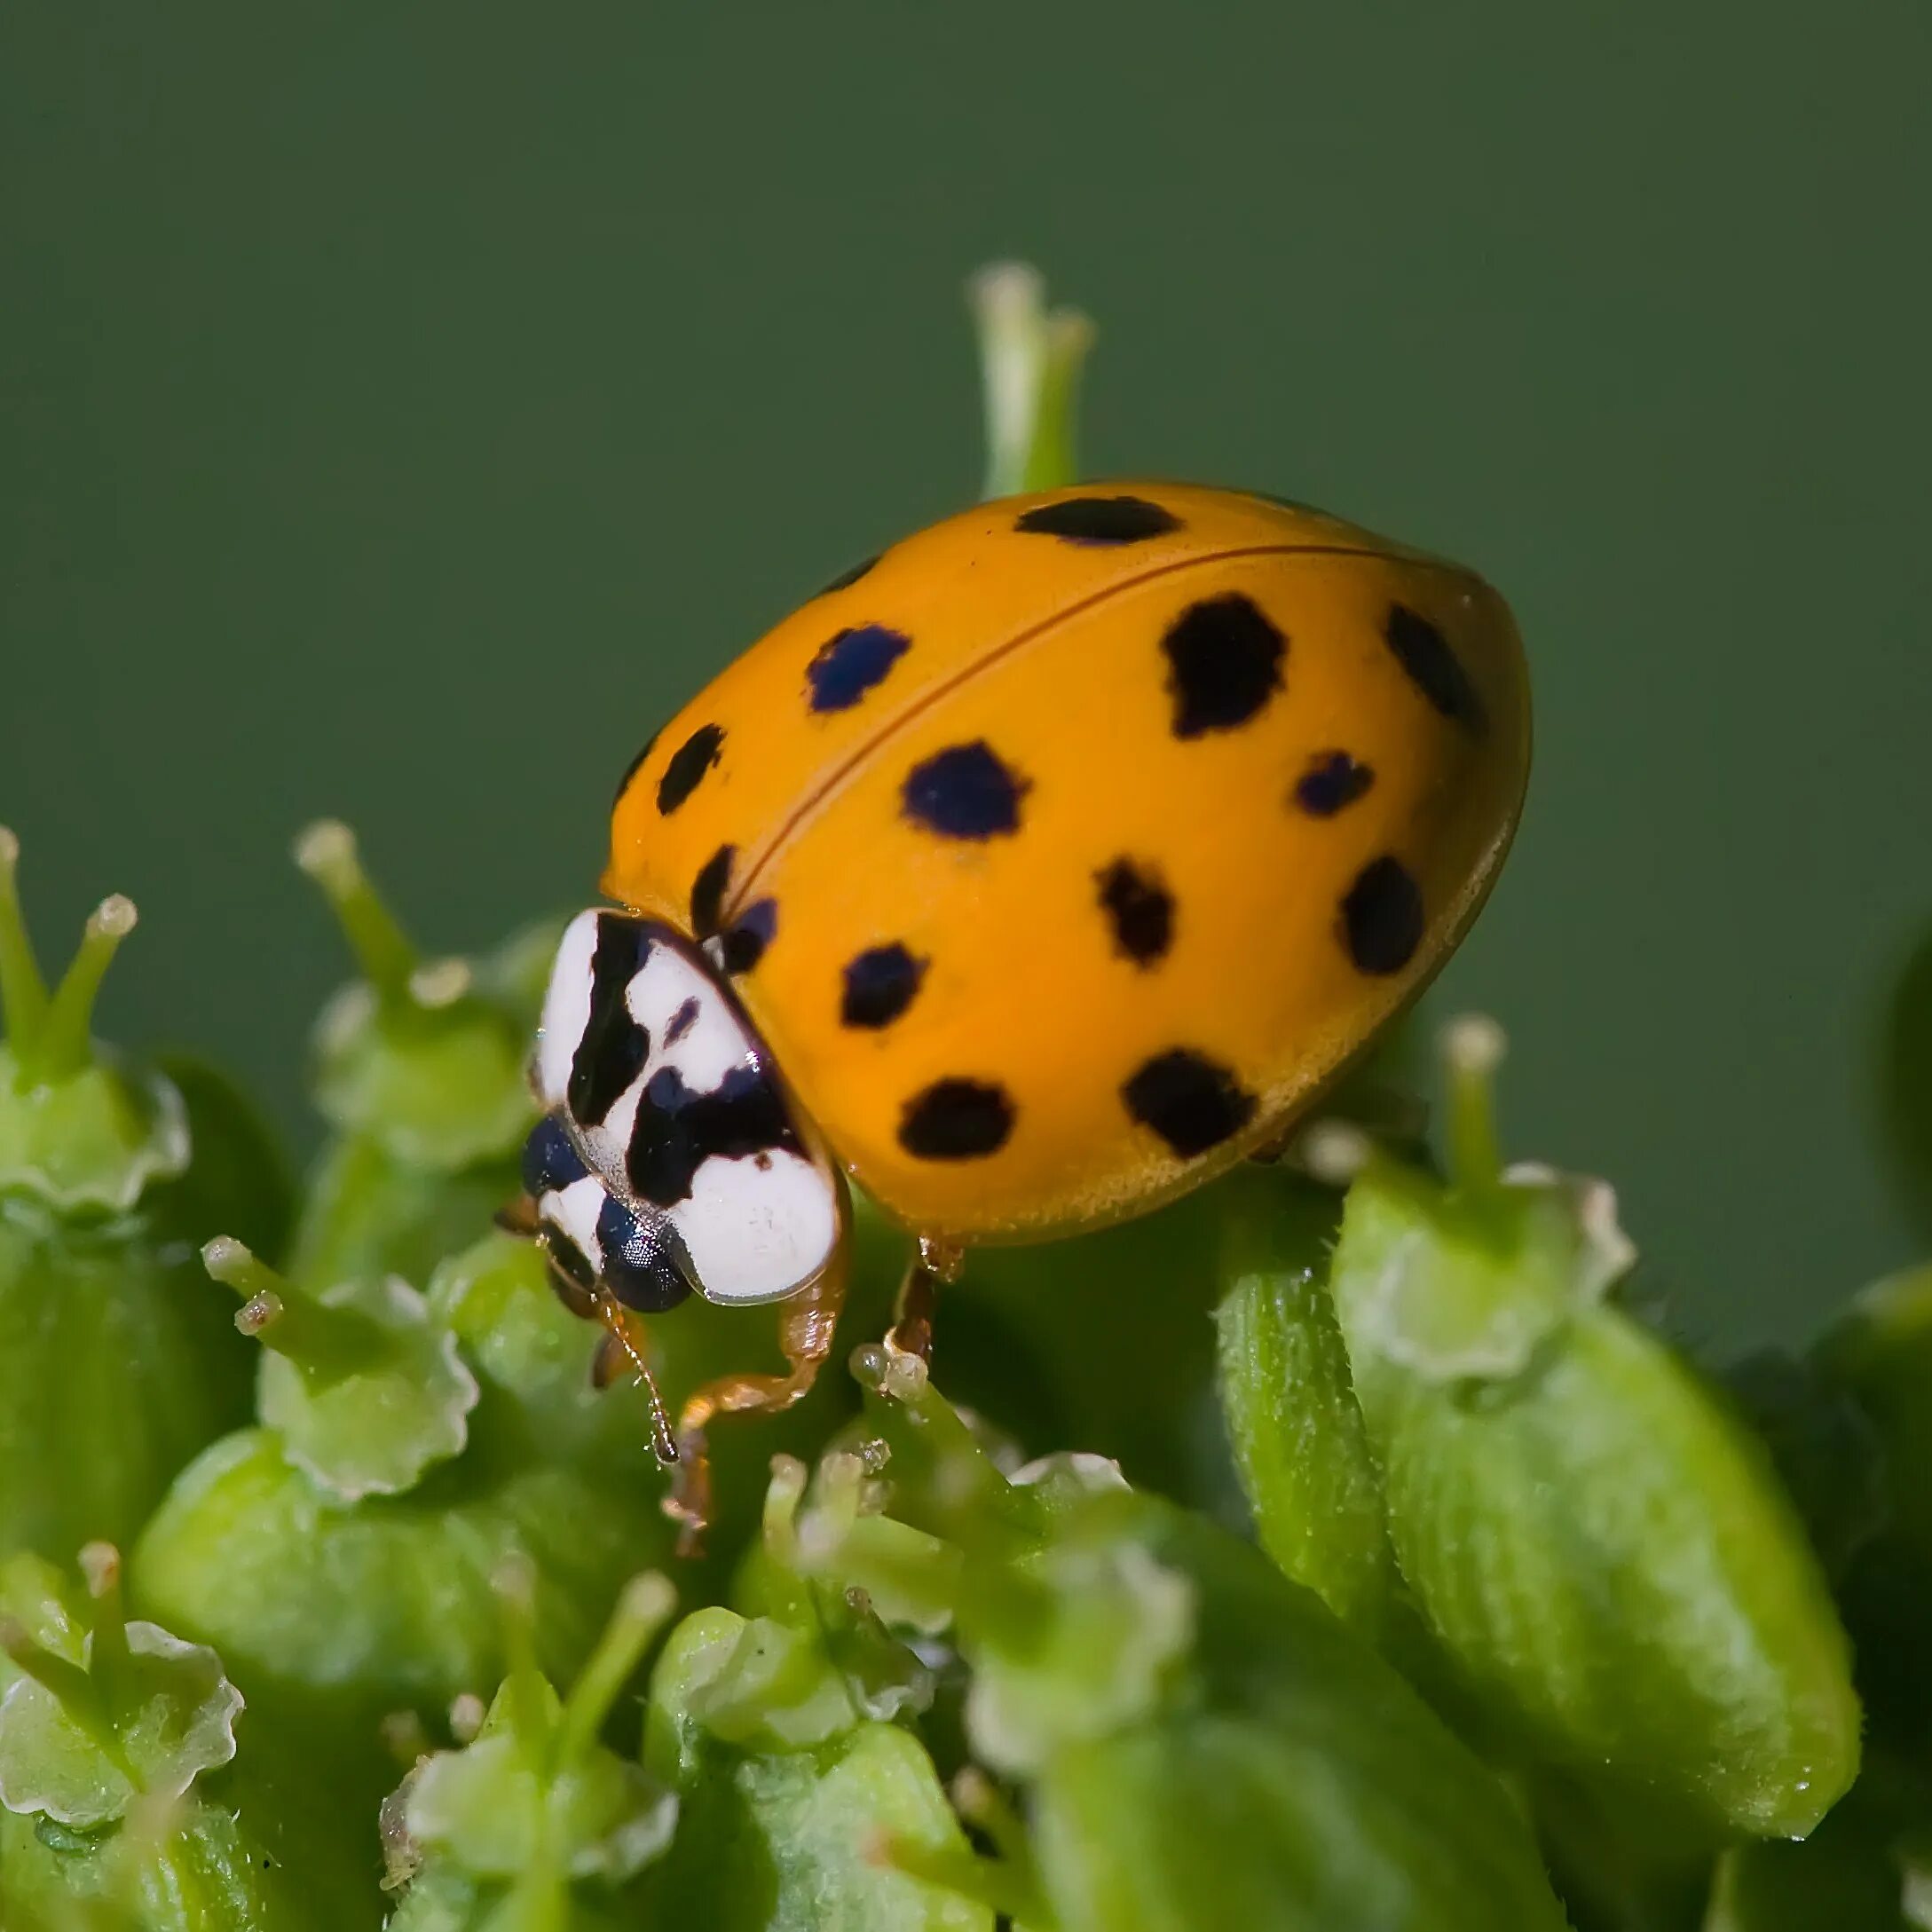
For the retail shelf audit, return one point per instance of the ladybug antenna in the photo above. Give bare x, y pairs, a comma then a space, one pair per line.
621, 1347
327, 852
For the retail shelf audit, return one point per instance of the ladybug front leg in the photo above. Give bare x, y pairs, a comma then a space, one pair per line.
806, 1327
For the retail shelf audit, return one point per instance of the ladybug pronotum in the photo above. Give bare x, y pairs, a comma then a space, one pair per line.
1032, 873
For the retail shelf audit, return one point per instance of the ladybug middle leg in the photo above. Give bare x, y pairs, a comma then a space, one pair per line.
935, 1265
806, 1327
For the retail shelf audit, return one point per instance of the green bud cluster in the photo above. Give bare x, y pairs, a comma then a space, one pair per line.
1338, 1546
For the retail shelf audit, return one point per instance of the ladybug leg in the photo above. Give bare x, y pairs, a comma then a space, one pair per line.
519, 1217
936, 1264
806, 1327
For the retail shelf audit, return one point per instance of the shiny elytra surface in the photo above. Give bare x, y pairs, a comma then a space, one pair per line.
1062, 853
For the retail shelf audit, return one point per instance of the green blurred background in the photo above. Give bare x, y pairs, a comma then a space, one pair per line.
405, 407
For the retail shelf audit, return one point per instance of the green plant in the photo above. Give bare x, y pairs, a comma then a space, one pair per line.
1337, 1547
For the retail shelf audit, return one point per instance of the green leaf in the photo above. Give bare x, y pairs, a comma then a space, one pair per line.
1296, 1430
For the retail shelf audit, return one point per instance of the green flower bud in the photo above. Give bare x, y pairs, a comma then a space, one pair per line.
1879, 1356
189, 1867
78, 1130
102, 1714
109, 1731
461, 1463
1296, 1430
1198, 1740
1905, 1081
1857, 1871
840, 1836
1826, 1451
782, 1731
534, 1807
1600, 1546
495, 1296
421, 1069
1051, 1344
101, 1311
364, 1388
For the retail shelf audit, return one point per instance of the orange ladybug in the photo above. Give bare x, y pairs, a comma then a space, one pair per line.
1033, 873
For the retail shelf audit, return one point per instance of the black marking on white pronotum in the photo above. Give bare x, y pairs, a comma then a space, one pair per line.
692, 1138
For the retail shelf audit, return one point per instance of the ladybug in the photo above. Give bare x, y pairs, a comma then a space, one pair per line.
1030, 874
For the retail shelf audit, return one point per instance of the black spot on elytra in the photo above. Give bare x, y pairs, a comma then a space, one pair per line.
708, 890
965, 791
846, 578
612, 1048
1194, 1103
636, 766
551, 1161
635, 1269
880, 983
678, 1129
1099, 520
1332, 781
1382, 917
846, 666
744, 944
1424, 653
1139, 909
1224, 663
689, 763
682, 1022
956, 1120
